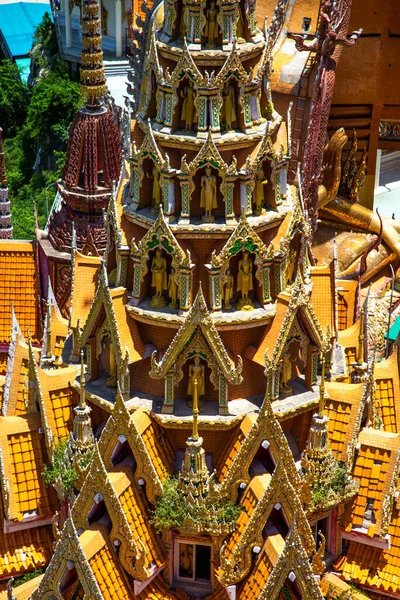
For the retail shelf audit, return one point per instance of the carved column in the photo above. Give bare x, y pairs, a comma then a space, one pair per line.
185, 198
185, 290
68, 24
201, 103
228, 198
246, 194
223, 396
168, 188
215, 287
160, 105
169, 18
279, 271
118, 28
170, 102
137, 280
311, 372
266, 280
168, 406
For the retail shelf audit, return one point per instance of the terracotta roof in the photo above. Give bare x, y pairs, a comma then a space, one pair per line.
342, 407
272, 331
262, 568
387, 381
322, 295
23, 454
24, 550
331, 581
137, 516
249, 501
151, 432
85, 279
373, 469
59, 398
105, 565
19, 286
127, 328
230, 450
19, 378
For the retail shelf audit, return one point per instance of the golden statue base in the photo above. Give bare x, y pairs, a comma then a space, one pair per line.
190, 403
111, 382
211, 46
285, 390
173, 305
227, 307
158, 302
259, 211
167, 409
208, 219
244, 304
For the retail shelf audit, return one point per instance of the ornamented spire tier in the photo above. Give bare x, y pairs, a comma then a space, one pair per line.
93, 80
6, 229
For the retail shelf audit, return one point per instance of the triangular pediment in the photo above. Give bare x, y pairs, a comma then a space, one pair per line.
233, 65
150, 149
196, 335
208, 155
68, 549
185, 66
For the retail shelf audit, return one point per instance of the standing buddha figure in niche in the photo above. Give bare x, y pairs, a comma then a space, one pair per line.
188, 114
228, 107
240, 26
172, 289
208, 198
258, 192
286, 375
228, 290
156, 192
196, 373
212, 25
158, 279
245, 281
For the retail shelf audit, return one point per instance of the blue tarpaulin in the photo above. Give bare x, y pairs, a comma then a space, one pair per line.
18, 22
394, 331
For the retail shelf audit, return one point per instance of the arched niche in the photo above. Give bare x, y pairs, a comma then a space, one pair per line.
232, 85
212, 5
198, 194
243, 33
150, 184
151, 108
185, 88
160, 238
148, 290
182, 388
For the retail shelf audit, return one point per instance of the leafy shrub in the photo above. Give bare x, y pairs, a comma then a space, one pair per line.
61, 468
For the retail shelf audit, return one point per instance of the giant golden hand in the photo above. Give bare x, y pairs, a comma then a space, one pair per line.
339, 209
332, 168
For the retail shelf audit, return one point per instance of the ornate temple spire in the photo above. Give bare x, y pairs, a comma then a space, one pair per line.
82, 438
195, 478
92, 76
47, 357
6, 229
360, 365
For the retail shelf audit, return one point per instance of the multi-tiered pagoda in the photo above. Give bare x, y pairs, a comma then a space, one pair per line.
232, 429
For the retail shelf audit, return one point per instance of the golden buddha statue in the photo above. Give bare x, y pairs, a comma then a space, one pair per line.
286, 375
158, 279
208, 197
188, 114
228, 291
196, 373
228, 107
156, 191
291, 267
258, 192
245, 282
240, 26
112, 380
336, 208
212, 25
172, 289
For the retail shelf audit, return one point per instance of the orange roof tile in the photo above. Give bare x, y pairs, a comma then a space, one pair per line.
23, 454
373, 468
262, 568
127, 328
230, 451
137, 516
85, 279
105, 566
59, 398
161, 453
342, 408
19, 286
322, 295
272, 331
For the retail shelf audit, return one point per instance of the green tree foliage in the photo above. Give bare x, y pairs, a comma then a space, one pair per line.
61, 469
13, 99
36, 127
